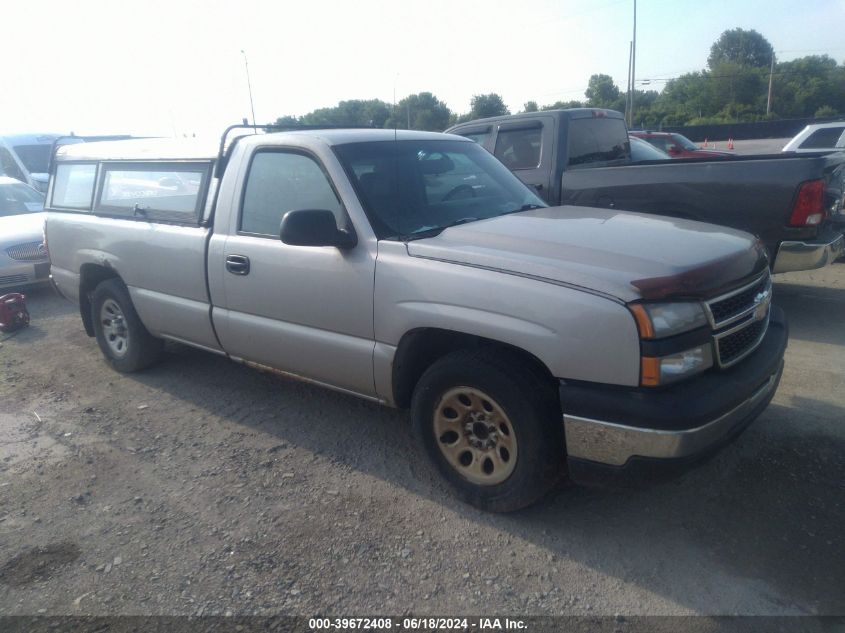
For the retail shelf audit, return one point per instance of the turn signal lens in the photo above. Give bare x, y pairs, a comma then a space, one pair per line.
650, 372
643, 322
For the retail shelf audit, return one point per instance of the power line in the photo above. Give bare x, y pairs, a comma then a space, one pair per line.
708, 75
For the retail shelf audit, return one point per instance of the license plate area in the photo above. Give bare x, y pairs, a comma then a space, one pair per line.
42, 270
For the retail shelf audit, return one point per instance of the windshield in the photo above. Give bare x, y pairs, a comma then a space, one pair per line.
18, 198
413, 189
683, 141
35, 158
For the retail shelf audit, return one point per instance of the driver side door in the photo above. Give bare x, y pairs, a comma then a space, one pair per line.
304, 310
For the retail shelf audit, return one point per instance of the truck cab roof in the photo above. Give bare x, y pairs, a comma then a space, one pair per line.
568, 113
206, 149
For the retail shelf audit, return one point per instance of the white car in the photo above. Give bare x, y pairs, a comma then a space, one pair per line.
820, 137
23, 256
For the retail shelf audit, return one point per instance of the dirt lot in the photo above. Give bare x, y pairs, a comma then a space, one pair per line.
202, 486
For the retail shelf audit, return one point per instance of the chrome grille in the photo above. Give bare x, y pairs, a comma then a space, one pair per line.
730, 307
29, 252
739, 303
740, 319
734, 346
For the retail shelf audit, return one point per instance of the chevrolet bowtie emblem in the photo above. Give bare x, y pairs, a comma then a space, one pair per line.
762, 301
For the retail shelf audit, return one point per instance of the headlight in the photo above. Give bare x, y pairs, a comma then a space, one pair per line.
677, 366
667, 361
658, 320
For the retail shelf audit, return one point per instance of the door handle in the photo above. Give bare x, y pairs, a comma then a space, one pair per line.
237, 264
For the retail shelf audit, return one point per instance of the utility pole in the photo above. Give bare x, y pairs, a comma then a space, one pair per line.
628, 90
633, 67
249, 87
771, 74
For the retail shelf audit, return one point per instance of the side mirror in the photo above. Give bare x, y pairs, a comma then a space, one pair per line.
673, 149
314, 227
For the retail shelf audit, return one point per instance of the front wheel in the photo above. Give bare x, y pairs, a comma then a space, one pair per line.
122, 338
492, 426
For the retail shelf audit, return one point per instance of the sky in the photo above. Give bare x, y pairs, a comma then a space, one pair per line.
176, 68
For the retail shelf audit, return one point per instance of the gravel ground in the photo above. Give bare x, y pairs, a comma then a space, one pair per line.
203, 486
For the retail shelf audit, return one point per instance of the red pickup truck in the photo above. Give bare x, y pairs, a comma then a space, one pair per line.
676, 145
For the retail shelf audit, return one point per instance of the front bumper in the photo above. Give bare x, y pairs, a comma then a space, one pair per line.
14, 274
611, 426
809, 255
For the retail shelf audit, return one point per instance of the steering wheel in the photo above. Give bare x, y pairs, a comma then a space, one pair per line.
459, 193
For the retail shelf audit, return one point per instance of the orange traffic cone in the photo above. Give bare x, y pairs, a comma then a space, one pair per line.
730, 143
704, 144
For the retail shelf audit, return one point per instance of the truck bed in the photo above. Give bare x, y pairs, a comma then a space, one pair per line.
752, 193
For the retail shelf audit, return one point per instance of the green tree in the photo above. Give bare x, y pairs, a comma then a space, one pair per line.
684, 98
825, 112
602, 92
563, 105
738, 46
530, 106
287, 121
483, 106
355, 112
422, 111
804, 85
732, 83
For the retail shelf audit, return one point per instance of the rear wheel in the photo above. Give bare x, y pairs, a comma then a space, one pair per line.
491, 424
122, 338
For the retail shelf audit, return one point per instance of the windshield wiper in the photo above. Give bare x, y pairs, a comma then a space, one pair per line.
439, 229
524, 207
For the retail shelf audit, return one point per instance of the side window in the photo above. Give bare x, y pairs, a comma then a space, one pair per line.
479, 136
519, 149
822, 138
8, 166
156, 191
597, 140
284, 181
73, 186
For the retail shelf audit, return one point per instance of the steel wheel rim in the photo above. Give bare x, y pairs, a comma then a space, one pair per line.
475, 436
115, 332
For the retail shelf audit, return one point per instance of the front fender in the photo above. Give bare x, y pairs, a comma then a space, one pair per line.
575, 334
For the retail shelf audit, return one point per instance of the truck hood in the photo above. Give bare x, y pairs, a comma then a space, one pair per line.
625, 255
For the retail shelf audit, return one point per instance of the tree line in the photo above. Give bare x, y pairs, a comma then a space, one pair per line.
734, 87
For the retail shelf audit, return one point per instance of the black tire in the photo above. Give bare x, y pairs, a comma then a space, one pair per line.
141, 348
529, 401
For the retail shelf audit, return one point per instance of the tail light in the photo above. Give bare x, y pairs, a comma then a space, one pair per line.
808, 209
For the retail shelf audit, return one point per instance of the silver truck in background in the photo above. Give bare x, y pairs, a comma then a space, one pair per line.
818, 137
413, 269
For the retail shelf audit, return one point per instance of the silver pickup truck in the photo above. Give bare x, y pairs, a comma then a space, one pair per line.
530, 342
